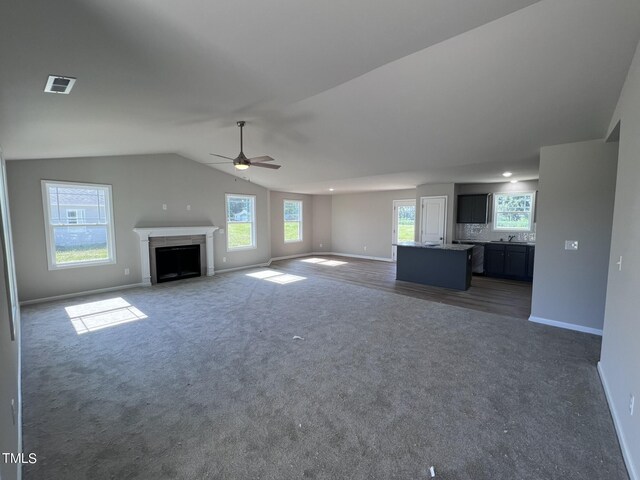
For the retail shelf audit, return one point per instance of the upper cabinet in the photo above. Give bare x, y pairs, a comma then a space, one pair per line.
473, 208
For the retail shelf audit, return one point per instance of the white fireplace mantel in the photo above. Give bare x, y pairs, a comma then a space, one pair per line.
145, 233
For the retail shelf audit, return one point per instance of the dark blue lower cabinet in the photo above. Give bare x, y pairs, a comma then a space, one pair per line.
439, 267
509, 261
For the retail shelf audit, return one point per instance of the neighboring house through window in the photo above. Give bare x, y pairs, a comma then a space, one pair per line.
75, 216
78, 224
292, 221
241, 221
513, 211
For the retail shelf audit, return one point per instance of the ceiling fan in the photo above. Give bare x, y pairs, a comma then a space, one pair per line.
241, 162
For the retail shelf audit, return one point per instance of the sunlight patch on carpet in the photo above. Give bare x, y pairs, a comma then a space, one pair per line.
275, 276
93, 316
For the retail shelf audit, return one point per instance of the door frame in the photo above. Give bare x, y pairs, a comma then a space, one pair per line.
444, 220
394, 219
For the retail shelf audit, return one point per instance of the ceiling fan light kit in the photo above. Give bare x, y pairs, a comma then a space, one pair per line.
241, 162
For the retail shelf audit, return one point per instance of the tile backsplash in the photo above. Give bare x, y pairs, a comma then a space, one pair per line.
484, 232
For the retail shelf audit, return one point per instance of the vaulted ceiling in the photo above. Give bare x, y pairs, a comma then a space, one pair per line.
354, 95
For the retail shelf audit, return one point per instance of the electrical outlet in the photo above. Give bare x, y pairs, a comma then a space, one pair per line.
632, 401
164, 206
224, 259
320, 245
619, 263
188, 207
365, 248
126, 271
571, 244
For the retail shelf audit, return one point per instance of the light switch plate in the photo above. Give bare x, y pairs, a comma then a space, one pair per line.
571, 244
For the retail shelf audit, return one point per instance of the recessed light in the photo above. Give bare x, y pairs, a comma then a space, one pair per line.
507, 174
514, 181
331, 189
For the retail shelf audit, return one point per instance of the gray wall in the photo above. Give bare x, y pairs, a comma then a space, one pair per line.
322, 213
365, 220
278, 246
433, 190
141, 184
10, 432
620, 361
577, 188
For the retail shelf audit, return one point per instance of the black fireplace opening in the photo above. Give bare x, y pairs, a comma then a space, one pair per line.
175, 263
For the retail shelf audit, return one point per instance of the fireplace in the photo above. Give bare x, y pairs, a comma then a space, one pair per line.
153, 239
174, 263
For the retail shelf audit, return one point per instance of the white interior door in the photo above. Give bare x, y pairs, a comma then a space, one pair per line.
404, 223
433, 221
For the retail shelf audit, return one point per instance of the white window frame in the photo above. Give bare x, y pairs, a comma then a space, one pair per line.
531, 218
49, 226
253, 245
300, 222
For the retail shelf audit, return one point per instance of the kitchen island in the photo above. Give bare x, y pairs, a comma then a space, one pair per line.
445, 265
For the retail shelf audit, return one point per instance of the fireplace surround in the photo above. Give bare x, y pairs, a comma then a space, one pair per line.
152, 238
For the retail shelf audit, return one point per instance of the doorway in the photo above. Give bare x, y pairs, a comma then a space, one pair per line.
433, 220
404, 223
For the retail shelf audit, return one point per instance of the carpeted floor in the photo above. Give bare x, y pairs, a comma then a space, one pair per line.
212, 384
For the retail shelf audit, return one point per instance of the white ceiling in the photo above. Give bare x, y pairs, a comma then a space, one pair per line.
355, 95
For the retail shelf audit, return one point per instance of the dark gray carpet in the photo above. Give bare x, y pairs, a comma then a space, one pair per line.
213, 385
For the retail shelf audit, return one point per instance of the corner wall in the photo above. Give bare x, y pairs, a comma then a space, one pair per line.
362, 220
620, 359
576, 192
10, 416
322, 213
141, 184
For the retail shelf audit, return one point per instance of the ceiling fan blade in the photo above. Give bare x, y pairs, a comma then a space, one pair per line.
266, 165
222, 156
217, 163
263, 158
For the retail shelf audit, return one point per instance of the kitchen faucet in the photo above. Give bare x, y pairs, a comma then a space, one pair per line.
511, 237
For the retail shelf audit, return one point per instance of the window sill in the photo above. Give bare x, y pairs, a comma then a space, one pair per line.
240, 249
67, 266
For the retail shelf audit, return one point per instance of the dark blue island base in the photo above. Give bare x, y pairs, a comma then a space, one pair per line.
445, 265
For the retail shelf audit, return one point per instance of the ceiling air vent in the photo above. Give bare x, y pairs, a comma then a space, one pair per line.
57, 84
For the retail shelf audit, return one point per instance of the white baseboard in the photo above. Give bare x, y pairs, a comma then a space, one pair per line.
80, 294
382, 259
365, 257
568, 326
626, 451
297, 255
244, 267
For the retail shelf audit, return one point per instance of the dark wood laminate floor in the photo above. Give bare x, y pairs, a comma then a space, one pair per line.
504, 297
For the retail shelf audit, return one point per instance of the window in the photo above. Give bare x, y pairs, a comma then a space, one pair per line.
78, 224
292, 221
241, 222
513, 211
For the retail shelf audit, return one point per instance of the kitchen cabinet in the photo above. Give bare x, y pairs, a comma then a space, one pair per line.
509, 261
515, 262
493, 259
531, 253
473, 208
